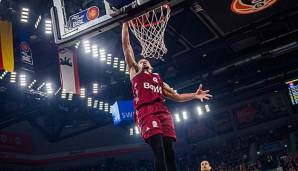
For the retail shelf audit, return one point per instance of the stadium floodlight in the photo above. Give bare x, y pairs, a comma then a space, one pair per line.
94, 51
137, 130
48, 26
57, 91
95, 104
49, 88
13, 76
184, 115
87, 46
109, 59
200, 111
70, 95
95, 88
77, 45
122, 66
83, 93
24, 15
32, 84
100, 107
63, 94
37, 22
89, 102
115, 63
3, 75
106, 107
102, 54
131, 131
177, 117
126, 70
207, 108
23, 81
41, 86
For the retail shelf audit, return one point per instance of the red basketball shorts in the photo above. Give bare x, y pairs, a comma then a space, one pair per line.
154, 123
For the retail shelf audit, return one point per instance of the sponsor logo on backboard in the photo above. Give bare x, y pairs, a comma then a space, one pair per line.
84, 16
92, 13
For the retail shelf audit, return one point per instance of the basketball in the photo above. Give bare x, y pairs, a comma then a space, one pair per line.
93, 13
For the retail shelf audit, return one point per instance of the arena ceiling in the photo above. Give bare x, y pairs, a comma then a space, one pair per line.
209, 42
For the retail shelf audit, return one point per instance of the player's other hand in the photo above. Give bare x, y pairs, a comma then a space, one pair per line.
202, 94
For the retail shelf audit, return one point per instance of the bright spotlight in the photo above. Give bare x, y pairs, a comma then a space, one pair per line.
115, 63
184, 115
41, 86
137, 130
77, 45
32, 84
95, 88
63, 94
177, 118
23, 81
49, 88
83, 93
24, 15
126, 70
13, 76
100, 107
106, 107
48, 26
200, 111
87, 46
37, 21
70, 95
109, 59
131, 131
95, 104
207, 108
3, 75
89, 102
102, 54
94, 51
121, 66
25, 9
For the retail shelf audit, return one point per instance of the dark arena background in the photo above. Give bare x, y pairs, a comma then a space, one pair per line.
245, 52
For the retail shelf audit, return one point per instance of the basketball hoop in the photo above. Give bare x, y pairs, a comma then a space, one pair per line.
149, 29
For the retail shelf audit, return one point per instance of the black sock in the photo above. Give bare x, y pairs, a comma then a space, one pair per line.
170, 153
156, 143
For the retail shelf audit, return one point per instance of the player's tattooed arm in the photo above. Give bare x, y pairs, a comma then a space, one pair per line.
200, 94
128, 51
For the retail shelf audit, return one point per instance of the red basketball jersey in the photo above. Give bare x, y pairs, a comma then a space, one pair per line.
147, 89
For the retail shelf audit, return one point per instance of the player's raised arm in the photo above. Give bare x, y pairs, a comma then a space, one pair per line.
200, 94
128, 51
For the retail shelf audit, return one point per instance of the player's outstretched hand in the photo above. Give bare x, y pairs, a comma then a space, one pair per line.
202, 94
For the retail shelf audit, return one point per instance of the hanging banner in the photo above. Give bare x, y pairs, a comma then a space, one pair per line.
6, 47
69, 71
123, 112
26, 53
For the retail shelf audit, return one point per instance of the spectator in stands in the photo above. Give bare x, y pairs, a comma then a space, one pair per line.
205, 166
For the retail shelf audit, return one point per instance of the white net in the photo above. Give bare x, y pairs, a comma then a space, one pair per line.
149, 29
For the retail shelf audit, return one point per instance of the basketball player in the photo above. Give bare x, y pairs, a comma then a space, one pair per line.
151, 115
205, 166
